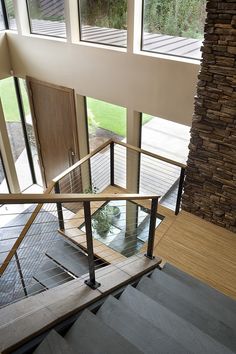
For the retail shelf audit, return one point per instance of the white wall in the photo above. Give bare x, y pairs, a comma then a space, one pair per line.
5, 65
158, 86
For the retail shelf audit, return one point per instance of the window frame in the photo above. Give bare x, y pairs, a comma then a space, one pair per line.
100, 43
42, 34
5, 17
160, 53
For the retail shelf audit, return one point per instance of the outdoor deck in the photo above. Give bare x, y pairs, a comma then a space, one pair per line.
156, 43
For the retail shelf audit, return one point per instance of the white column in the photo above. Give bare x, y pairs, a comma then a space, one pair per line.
7, 157
133, 138
21, 14
134, 25
72, 21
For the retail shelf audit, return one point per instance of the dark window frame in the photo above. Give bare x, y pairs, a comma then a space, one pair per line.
5, 17
4, 172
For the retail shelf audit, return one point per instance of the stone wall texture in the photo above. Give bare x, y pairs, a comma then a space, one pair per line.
210, 184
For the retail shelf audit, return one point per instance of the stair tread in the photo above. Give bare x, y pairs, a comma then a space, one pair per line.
176, 327
50, 275
35, 288
93, 336
203, 301
199, 287
54, 343
189, 312
136, 329
69, 257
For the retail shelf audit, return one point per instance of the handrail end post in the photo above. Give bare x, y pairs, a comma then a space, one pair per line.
151, 236
92, 284
180, 190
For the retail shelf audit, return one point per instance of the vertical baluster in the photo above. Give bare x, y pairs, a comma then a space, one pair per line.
91, 282
112, 163
59, 209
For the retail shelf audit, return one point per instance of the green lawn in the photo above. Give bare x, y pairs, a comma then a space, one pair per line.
108, 116
9, 102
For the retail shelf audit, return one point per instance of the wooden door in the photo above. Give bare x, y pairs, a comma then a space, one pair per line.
54, 118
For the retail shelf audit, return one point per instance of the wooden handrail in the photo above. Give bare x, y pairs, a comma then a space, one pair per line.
25, 229
60, 198
128, 146
70, 198
80, 162
151, 154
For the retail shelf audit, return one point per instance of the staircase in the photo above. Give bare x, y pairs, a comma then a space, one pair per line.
62, 263
167, 312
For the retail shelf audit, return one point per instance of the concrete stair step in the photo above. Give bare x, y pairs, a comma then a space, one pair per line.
35, 288
189, 312
54, 344
200, 288
69, 257
50, 275
177, 328
92, 336
136, 329
203, 301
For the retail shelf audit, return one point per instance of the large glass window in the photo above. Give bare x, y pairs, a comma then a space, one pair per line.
104, 22
30, 132
15, 132
174, 27
3, 181
10, 14
47, 17
2, 23
157, 176
105, 121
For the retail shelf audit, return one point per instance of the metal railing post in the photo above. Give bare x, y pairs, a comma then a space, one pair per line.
180, 190
20, 274
91, 282
59, 209
152, 227
112, 163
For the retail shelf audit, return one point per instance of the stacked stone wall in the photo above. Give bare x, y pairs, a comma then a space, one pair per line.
210, 184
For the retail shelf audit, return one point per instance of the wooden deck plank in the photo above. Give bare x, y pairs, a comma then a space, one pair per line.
203, 250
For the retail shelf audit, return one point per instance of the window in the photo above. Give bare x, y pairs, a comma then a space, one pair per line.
30, 132
104, 22
15, 132
156, 176
47, 17
10, 14
2, 23
3, 181
105, 120
174, 27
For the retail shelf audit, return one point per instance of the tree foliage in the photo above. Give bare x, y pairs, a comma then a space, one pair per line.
184, 18
104, 13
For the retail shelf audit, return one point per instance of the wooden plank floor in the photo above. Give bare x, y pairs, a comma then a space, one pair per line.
202, 249
152, 42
